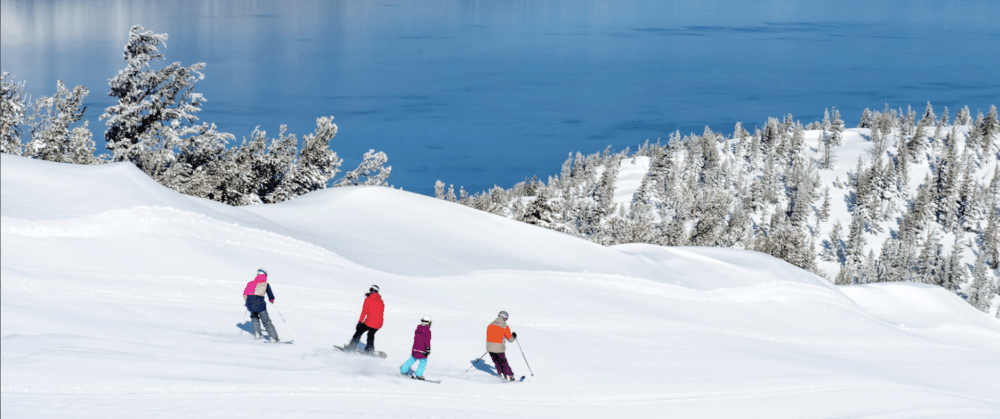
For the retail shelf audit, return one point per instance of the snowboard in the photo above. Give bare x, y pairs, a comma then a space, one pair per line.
379, 354
287, 342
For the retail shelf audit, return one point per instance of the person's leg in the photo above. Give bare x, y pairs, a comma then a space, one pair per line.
267, 325
255, 319
496, 363
405, 369
421, 366
370, 344
505, 365
358, 330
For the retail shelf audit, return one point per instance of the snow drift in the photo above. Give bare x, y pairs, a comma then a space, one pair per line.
120, 296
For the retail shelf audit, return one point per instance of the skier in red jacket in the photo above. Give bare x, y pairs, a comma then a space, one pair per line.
370, 321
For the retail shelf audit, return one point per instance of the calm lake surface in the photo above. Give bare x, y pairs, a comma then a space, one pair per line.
478, 93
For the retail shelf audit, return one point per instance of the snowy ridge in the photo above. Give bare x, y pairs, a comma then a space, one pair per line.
122, 296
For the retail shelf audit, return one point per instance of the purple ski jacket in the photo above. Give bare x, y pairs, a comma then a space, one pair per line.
421, 342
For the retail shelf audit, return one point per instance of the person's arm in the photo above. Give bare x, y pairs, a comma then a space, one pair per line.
364, 311
507, 334
270, 295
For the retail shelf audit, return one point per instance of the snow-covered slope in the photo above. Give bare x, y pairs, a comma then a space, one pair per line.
121, 298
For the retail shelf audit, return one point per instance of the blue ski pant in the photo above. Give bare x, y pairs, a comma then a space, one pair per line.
405, 369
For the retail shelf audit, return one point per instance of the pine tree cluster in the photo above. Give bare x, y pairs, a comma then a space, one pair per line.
762, 191
153, 126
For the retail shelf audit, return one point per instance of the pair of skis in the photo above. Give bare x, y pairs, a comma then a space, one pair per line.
420, 379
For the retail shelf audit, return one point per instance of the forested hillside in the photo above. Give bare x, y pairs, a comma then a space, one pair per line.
903, 197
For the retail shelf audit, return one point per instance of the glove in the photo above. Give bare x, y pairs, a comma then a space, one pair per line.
427, 352
272, 301
514, 334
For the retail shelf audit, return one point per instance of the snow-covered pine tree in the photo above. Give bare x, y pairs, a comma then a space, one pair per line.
257, 169
786, 242
315, 165
837, 129
946, 173
371, 171
13, 111
540, 213
991, 236
917, 145
854, 251
931, 262
955, 274
824, 211
928, 118
975, 140
963, 116
867, 121
989, 132
52, 137
154, 108
981, 286
439, 189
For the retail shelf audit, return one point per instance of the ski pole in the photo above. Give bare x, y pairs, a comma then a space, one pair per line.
477, 361
294, 335
245, 313
525, 358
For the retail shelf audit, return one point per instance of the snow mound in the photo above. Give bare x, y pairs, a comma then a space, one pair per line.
121, 296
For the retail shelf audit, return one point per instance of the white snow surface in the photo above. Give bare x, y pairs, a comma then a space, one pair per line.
121, 298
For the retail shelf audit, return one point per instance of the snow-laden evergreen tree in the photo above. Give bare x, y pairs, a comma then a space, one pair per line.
963, 116
371, 171
854, 251
13, 110
955, 274
931, 261
540, 213
315, 165
836, 129
786, 242
989, 132
439, 189
928, 118
155, 107
867, 120
991, 236
980, 288
52, 136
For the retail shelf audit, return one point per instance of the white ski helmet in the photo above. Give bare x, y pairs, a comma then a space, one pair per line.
374, 288
262, 271
426, 321
504, 315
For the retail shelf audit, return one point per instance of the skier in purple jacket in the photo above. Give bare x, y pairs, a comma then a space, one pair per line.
421, 349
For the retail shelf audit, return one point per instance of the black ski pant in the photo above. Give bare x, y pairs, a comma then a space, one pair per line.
362, 328
261, 316
503, 368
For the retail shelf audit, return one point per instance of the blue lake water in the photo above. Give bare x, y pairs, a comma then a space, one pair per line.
478, 93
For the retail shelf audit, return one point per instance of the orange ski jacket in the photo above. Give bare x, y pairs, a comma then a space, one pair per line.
497, 334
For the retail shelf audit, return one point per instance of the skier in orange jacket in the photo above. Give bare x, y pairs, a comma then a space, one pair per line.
497, 334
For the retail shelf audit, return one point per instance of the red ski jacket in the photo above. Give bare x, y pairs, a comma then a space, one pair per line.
371, 313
